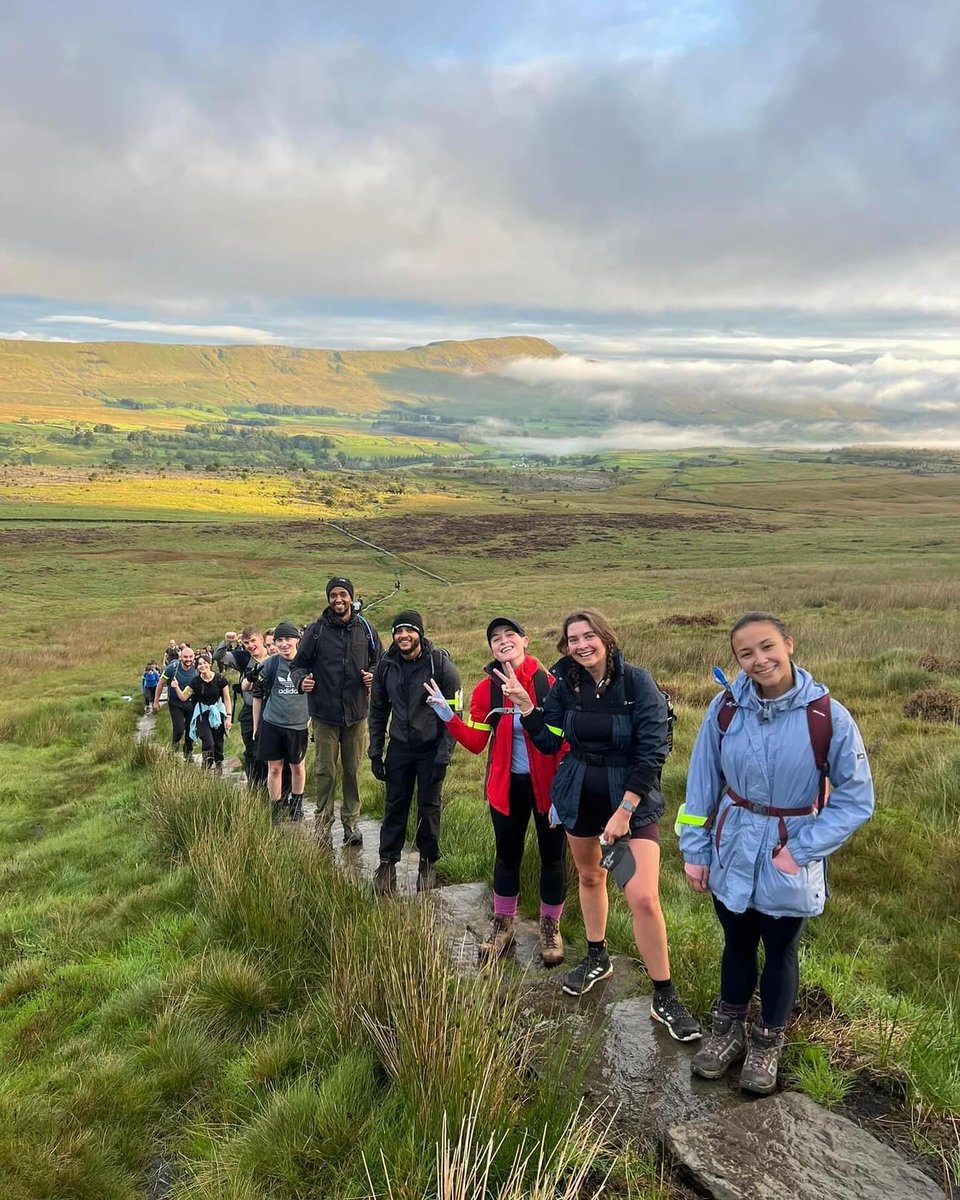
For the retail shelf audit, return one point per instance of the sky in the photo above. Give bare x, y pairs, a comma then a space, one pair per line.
720, 182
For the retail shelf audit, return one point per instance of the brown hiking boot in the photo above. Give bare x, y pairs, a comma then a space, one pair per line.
551, 943
498, 941
759, 1073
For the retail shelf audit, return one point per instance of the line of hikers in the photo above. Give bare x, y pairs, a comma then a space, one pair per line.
778, 781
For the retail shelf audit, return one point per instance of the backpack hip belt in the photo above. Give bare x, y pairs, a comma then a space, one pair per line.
600, 760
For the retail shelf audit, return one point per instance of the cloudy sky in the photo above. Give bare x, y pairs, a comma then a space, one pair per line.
724, 181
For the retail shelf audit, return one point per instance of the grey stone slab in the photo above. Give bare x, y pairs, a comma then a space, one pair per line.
789, 1148
643, 1069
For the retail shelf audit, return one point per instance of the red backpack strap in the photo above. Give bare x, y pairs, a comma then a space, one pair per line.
820, 727
725, 712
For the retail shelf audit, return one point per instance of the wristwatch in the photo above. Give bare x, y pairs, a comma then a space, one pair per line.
628, 805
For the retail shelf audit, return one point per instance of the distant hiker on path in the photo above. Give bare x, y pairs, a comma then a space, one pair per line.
184, 671
148, 685
281, 722
172, 652
755, 831
617, 723
517, 784
419, 749
334, 668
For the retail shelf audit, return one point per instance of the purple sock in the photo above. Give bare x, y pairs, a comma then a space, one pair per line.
551, 910
504, 906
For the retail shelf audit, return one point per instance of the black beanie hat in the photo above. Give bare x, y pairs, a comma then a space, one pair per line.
410, 617
285, 629
339, 582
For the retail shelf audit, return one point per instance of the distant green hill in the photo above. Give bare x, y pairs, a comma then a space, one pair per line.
151, 385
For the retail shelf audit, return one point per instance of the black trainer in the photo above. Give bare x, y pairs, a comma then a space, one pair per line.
296, 808
667, 1008
591, 970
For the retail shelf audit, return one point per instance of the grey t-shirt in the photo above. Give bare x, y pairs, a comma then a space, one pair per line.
283, 705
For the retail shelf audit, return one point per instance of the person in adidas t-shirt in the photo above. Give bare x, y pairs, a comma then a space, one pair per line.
281, 721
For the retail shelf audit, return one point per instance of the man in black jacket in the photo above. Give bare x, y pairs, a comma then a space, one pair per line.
420, 746
334, 668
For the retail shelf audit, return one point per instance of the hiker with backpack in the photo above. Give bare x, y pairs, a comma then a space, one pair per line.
517, 784
334, 667
617, 724
419, 749
756, 829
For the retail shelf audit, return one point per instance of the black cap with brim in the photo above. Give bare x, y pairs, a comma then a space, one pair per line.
510, 624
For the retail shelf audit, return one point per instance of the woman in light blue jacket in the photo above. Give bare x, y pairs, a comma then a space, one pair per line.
755, 831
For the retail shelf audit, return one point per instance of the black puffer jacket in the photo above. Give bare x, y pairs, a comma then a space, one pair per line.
336, 654
398, 690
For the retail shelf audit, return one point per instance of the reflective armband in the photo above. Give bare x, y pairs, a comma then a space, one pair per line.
477, 724
555, 731
685, 818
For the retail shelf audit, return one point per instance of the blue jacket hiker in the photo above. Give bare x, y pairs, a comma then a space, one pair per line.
765, 756
778, 781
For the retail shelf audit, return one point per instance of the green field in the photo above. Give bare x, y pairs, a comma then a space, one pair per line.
166, 1005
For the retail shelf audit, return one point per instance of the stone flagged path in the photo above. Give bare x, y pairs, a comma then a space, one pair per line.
787, 1147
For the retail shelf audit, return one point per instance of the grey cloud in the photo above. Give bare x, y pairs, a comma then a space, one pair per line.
812, 163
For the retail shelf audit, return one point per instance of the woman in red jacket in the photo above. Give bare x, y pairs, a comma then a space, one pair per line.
517, 784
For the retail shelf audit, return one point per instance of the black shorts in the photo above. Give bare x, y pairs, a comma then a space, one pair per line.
593, 814
276, 742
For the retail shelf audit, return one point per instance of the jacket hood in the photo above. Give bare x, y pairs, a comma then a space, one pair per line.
804, 691
528, 668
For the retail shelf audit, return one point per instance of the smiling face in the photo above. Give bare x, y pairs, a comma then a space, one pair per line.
186, 657
253, 644
765, 653
508, 646
287, 647
585, 646
407, 641
205, 667
341, 602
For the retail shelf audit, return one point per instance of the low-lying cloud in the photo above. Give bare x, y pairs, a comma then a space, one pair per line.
217, 333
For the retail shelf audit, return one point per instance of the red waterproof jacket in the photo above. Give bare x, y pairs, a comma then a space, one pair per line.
473, 733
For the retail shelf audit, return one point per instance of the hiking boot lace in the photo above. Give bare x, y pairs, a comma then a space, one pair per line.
549, 928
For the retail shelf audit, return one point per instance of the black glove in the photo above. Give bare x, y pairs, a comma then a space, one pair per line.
439, 771
378, 769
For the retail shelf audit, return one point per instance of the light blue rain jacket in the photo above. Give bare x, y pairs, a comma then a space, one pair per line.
765, 756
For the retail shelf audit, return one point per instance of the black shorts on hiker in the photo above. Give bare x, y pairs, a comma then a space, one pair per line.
594, 812
276, 742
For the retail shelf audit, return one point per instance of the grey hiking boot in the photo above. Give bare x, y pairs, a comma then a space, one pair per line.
551, 943
352, 837
759, 1073
426, 876
594, 967
500, 938
726, 1045
668, 1009
385, 879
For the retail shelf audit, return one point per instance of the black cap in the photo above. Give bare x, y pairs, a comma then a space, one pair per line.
285, 629
509, 622
337, 581
409, 617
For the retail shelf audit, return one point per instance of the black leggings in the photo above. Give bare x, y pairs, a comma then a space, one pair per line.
742, 935
510, 831
180, 720
211, 740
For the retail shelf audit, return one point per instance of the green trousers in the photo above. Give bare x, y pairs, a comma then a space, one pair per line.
343, 744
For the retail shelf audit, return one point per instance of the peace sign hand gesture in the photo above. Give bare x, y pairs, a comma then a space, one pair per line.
513, 689
437, 701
